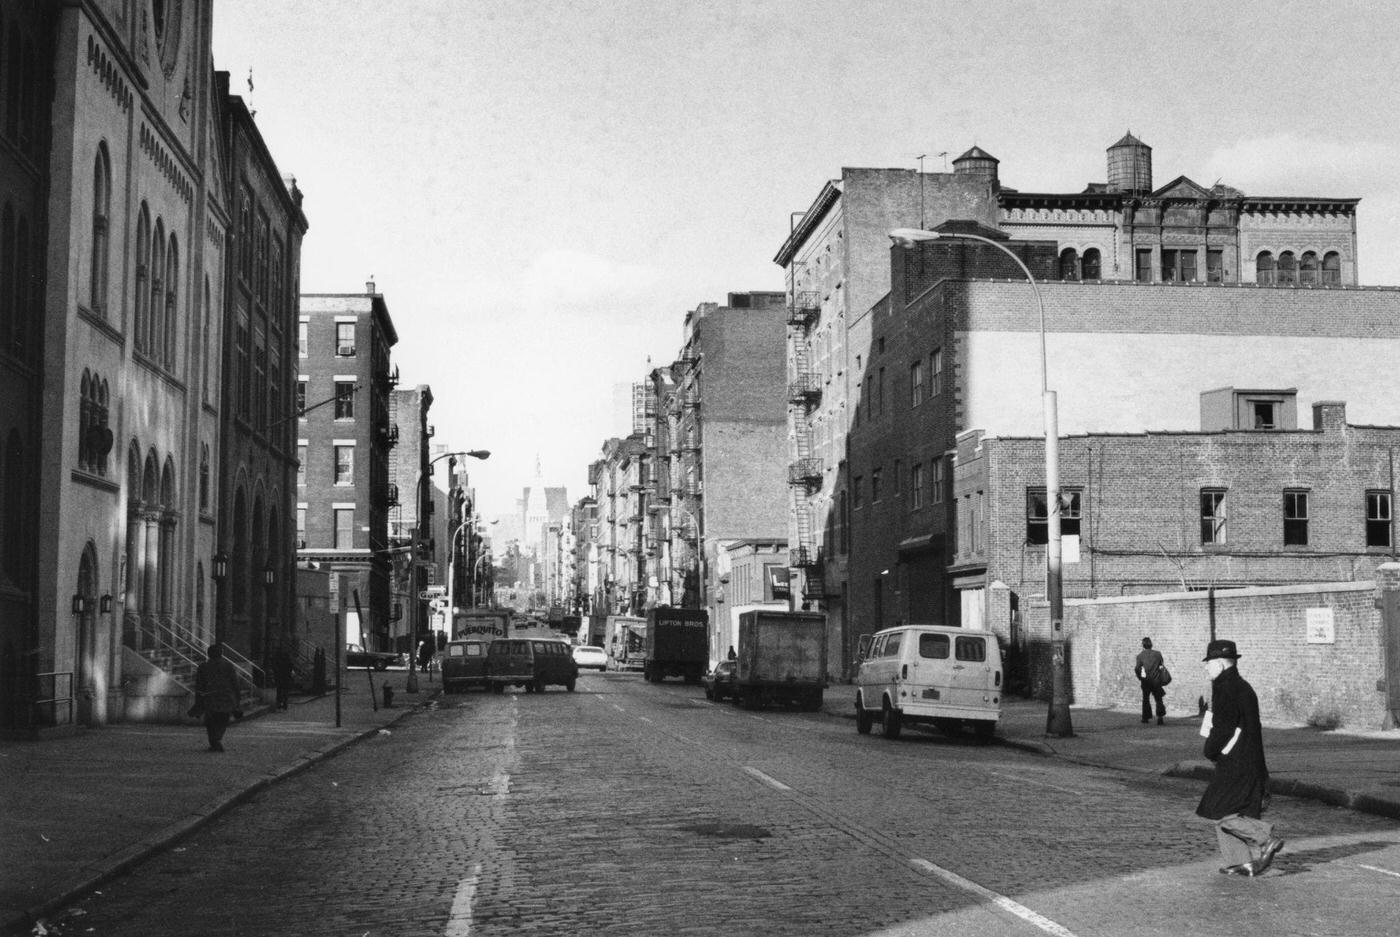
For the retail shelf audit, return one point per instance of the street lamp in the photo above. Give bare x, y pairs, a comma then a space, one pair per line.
411, 684
1057, 722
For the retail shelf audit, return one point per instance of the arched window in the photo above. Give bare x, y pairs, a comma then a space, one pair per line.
155, 307
139, 328
204, 478
1307, 269
206, 341
93, 439
1090, 265
1287, 269
1332, 269
101, 206
1069, 264
1264, 269
170, 306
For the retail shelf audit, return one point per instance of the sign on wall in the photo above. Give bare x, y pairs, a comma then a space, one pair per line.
1321, 626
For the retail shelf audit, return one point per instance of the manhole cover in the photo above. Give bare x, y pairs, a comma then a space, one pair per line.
728, 830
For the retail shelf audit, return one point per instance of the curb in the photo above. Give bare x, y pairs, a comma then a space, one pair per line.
103, 871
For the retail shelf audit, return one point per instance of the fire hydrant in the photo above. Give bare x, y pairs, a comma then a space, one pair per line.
388, 696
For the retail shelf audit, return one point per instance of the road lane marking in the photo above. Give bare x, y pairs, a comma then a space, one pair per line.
771, 782
459, 922
1029, 780
986, 894
644, 718
1380, 870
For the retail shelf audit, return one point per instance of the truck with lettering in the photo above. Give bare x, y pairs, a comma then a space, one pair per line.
488, 623
781, 659
626, 642
677, 644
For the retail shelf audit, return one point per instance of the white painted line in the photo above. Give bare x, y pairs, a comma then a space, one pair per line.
644, 718
618, 708
771, 782
986, 894
459, 922
1382, 871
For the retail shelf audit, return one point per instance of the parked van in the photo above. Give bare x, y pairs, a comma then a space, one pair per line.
949, 677
533, 663
464, 664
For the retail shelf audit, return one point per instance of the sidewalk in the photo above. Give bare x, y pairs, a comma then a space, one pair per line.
80, 809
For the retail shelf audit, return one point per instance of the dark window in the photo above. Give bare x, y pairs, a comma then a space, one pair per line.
874, 485
1307, 269
1178, 266
1264, 269
1069, 264
1215, 266
1295, 518
1091, 265
1263, 414
1377, 518
934, 646
1287, 269
935, 373
344, 400
1038, 519
970, 649
916, 486
1212, 515
1144, 266
1332, 269
301, 398
916, 383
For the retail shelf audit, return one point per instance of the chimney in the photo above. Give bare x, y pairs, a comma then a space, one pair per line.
1329, 416
369, 286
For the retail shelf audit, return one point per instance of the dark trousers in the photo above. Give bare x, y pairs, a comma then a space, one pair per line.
215, 724
1150, 691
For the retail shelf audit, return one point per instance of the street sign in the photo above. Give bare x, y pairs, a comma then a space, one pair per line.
434, 590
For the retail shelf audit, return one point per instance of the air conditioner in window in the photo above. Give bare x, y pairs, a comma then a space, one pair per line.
346, 351
301, 544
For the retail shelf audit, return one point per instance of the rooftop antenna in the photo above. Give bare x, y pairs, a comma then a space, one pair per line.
252, 111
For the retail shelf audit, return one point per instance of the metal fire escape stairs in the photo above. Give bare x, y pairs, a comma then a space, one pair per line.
805, 473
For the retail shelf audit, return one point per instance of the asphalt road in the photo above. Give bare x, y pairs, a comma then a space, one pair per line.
631, 808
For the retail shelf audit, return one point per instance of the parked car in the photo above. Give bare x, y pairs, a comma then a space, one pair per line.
946, 676
589, 657
357, 656
719, 682
464, 664
530, 663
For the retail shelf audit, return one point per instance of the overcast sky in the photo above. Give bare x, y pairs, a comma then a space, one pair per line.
541, 190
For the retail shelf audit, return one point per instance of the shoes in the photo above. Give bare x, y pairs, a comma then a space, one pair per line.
1267, 853
216, 747
1145, 720
1161, 720
1244, 868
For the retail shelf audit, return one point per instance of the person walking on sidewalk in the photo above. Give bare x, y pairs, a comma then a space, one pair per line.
216, 691
1149, 673
1238, 794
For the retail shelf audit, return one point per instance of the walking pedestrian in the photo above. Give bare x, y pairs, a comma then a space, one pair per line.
1238, 794
1149, 673
425, 655
216, 693
282, 670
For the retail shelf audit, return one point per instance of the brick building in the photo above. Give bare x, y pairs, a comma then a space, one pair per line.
1215, 374
344, 437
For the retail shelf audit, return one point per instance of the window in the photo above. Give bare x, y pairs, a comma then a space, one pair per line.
1307, 269
940, 481
874, 485
1378, 519
204, 478
344, 528
935, 373
301, 399
301, 464
1144, 266
301, 527
139, 314
345, 338
101, 213
1178, 266
916, 383
1263, 414
1091, 264
1038, 518
1295, 518
882, 391
344, 400
916, 486
1215, 266
1212, 515
1332, 269
1264, 273
934, 646
345, 465
303, 334
1287, 269
94, 438
970, 649
1069, 264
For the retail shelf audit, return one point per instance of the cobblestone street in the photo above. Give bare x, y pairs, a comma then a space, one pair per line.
637, 809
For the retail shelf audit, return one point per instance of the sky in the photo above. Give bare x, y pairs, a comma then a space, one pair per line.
542, 190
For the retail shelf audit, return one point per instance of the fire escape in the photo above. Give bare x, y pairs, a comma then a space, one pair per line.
805, 472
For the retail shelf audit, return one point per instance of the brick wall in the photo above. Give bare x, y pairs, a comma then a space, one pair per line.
1340, 683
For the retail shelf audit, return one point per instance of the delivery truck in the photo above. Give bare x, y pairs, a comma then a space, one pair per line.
488, 623
626, 642
677, 644
781, 659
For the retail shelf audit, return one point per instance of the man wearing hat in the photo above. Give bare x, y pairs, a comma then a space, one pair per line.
1236, 795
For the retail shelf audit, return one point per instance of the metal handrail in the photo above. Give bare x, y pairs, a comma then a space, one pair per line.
179, 640
53, 699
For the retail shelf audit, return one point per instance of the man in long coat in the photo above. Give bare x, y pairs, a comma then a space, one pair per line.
1234, 741
216, 690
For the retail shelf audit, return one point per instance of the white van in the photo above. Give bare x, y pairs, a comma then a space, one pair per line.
949, 677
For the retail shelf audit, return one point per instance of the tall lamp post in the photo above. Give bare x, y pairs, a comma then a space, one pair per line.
1057, 722
411, 684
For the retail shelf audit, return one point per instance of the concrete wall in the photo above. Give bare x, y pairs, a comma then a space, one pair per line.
1325, 684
